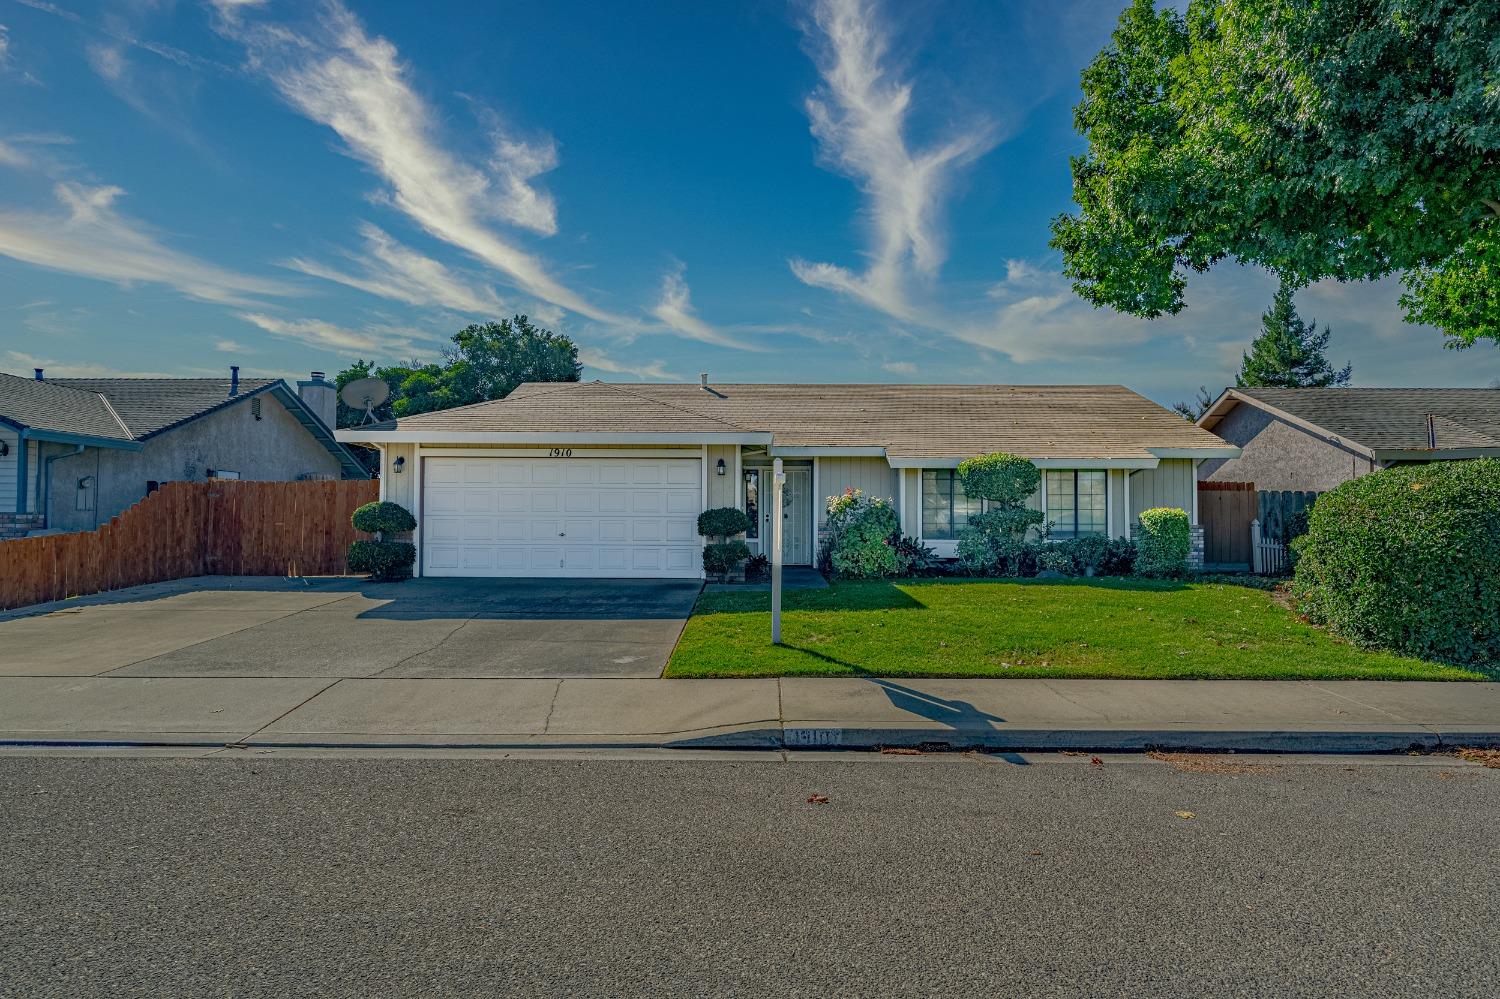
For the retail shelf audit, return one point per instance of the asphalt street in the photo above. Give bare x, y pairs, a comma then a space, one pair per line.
247, 875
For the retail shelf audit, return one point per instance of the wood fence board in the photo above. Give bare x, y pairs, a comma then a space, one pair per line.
184, 529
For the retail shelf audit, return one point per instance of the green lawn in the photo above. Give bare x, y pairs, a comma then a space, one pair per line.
1026, 628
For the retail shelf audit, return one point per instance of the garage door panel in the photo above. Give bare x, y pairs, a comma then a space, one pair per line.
561, 517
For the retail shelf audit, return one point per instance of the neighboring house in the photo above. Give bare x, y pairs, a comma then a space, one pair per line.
603, 479
76, 451
1312, 439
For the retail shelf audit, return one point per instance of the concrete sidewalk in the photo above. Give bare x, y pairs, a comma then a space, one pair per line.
1266, 716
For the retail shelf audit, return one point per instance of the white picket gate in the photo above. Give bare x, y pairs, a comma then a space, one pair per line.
1267, 557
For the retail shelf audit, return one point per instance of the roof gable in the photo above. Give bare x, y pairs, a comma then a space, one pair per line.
1382, 419
148, 406
60, 409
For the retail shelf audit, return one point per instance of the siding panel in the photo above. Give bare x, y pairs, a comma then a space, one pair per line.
10, 467
872, 475
1170, 483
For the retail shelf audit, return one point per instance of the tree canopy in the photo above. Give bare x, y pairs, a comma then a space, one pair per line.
1347, 139
485, 362
1288, 353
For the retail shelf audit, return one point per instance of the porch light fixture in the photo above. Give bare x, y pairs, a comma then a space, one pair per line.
398, 465
719, 468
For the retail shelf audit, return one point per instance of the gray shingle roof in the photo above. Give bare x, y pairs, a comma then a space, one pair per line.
150, 405
950, 421
1392, 418
59, 408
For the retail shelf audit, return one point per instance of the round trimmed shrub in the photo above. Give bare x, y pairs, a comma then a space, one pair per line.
862, 537
384, 560
1165, 542
383, 518
1005, 479
721, 557
1409, 559
723, 522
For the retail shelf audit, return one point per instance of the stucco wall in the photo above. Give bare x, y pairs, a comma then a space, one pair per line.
1281, 455
1171, 483
274, 448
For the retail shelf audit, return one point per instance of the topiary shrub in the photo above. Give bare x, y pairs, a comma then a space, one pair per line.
1165, 542
381, 558
383, 518
1409, 558
1004, 482
859, 543
720, 558
723, 522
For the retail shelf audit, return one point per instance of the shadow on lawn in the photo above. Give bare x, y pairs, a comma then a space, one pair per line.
901, 594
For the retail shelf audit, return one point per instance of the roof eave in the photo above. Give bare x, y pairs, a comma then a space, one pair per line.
1435, 454
358, 435
87, 440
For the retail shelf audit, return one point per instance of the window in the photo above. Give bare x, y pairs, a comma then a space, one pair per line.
1076, 503
752, 502
946, 509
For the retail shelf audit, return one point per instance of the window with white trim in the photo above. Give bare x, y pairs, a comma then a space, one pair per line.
946, 508
1077, 502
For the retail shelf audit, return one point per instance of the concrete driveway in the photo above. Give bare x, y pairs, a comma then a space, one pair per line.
259, 627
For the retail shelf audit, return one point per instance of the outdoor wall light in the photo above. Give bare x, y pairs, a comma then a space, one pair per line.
719, 468
4, 449
398, 465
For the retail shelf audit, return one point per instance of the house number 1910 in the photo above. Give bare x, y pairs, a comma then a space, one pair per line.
560, 452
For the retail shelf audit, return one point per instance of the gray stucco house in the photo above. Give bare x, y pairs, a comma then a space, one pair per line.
1312, 439
76, 451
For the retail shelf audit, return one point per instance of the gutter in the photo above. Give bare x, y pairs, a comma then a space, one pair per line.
21, 470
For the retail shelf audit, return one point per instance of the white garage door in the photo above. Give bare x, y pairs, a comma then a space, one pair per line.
561, 517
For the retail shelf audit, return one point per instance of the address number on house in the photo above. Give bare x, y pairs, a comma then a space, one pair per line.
560, 452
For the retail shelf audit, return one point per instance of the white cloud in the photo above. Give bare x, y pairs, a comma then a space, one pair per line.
676, 312
859, 116
390, 270
4, 46
599, 361
90, 238
232, 347
900, 368
12, 157
376, 340
18, 361
336, 74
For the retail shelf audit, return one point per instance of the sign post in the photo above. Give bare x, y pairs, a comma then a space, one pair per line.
777, 516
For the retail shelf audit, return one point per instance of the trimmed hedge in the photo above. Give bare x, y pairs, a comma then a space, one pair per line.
385, 560
1005, 479
723, 522
383, 518
721, 557
1165, 542
1409, 559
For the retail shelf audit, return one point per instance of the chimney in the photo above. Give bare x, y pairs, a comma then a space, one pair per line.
234, 379
38, 373
703, 381
319, 395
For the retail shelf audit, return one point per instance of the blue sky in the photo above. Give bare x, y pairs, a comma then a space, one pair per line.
835, 190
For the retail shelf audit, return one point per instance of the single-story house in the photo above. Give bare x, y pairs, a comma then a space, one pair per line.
76, 451
1312, 439
607, 479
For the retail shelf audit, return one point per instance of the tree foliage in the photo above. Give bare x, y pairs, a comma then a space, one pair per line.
1288, 353
1345, 139
487, 361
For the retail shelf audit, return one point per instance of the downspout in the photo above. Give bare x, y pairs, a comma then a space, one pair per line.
45, 510
21, 472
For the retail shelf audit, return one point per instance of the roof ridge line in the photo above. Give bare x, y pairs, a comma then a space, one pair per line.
115, 413
680, 409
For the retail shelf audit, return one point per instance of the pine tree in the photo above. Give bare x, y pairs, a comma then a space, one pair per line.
1288, 353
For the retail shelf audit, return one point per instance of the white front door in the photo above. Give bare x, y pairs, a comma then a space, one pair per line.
597, 517
796, 513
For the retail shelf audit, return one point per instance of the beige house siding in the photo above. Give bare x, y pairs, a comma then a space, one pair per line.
1171, 483
399, 488
723, 490
10, 467
874, 476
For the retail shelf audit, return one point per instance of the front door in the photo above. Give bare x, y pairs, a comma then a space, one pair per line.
796, 514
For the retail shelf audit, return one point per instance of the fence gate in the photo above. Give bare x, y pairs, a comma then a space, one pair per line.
1225, 509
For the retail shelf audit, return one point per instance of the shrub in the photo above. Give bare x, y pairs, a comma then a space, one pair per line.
383, 518
722, 522
1003, 479
1052, 558
1409, 558
1164, 544
858, 544
981, 554
914, 558
1096, 555
758, 569
721, 557
384, 560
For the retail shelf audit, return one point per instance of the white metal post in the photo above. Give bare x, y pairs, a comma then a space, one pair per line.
777, 516
1257, 563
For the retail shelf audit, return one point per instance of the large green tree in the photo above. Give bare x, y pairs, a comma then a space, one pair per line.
486, 361
1349, 139
1288, 353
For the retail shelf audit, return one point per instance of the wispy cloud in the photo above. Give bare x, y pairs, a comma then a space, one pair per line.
89, 237
859, 115
905, 368
336, 74
394, 271
18, 361
232, 347
372, 340
675, 311
600, 361
4, 46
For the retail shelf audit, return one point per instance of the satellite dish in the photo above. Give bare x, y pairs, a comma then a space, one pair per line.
366, 394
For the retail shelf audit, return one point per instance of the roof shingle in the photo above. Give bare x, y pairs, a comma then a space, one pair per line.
1392, 418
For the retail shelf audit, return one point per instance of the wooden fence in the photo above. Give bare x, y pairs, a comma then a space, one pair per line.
192, 529
1225, 510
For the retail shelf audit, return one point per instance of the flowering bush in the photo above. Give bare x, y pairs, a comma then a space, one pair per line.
862, 537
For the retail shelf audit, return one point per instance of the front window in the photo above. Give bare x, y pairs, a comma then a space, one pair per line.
752, 502
946, 508
1076, 503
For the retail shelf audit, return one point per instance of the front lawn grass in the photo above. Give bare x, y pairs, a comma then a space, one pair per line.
1027, 628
